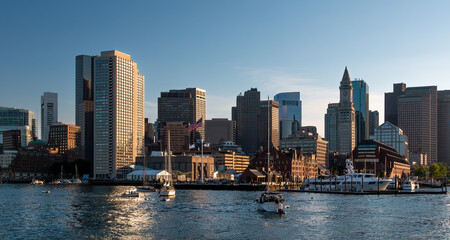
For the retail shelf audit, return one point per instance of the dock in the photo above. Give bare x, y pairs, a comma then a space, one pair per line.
385, 192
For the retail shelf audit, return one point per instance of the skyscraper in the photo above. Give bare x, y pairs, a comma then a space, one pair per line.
268, 111
220, 130
346, 127
290, 113
374, 121
417, 117
393, 136
444, 126
84, 103
186, 105
391, 103
361, 104
49, 113
340, 122
331, 126
17, 119
246, 116
119, 114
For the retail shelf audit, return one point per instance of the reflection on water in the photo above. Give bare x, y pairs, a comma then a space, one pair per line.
98, 212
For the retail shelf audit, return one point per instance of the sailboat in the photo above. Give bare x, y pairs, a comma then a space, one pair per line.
76, 180
167, 189
270, 201
146, 187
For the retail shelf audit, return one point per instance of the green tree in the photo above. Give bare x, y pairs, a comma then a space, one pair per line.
438, 170
420, 171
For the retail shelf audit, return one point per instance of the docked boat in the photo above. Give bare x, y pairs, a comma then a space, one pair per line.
37, 182
167, 189
270, 201
350, 181
410, 184
131, 193
146, 187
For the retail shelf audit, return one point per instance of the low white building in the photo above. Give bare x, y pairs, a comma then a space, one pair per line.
150, 175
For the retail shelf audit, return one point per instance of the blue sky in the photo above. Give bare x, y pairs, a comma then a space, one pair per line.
226, 47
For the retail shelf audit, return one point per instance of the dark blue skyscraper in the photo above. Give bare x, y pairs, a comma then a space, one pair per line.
361, 104
290, 113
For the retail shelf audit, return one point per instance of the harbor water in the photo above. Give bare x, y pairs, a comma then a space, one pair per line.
99, 212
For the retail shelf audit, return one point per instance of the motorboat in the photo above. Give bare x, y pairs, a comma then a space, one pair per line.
410, 184
37, 182
271, 202
131, 193
350, 181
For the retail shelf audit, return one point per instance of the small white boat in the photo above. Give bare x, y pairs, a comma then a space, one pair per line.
45, 191
271, 202
167, 190
410, 184
131, 193
77, 181
37, 182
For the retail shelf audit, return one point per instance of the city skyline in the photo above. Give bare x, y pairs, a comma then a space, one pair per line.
293, 46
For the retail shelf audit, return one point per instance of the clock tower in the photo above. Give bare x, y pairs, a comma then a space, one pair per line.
346, 121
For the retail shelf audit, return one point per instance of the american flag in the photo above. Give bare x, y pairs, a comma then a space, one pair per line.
196, 125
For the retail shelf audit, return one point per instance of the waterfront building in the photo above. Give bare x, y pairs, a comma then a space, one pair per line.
291, 164
361, 104
12, 140
49, 113
29, 164
18, 137
231, 160
444, 126
119, 114
246, 116
340, 120
391, 103
16, 119
290, 113
392, 136
67, 139
186, 105
179, 136
374, 121
84, 103
189, 165
220, 130
310, 142
374, 157
268, 111
417, 117
6, 158
331, 126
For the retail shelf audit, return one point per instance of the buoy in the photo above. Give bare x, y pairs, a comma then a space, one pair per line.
287, 206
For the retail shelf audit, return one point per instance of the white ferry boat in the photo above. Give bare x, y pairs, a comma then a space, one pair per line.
351, 181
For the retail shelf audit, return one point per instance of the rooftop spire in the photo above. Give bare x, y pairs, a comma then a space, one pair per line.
346, 77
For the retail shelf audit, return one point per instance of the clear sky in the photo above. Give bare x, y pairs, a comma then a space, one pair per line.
226, 47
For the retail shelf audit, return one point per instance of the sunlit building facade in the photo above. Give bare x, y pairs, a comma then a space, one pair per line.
49, 113
118, 114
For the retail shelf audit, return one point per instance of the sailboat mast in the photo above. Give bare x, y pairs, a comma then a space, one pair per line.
143, 179
268, 143
169, 167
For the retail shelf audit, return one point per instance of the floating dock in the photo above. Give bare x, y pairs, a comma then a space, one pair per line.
385, 192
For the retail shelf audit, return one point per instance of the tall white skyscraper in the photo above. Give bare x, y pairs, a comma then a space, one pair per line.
118, 114
49, 113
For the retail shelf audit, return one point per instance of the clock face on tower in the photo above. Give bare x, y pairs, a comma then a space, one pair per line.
345, 93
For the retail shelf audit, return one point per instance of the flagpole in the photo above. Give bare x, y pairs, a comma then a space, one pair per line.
202, 159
